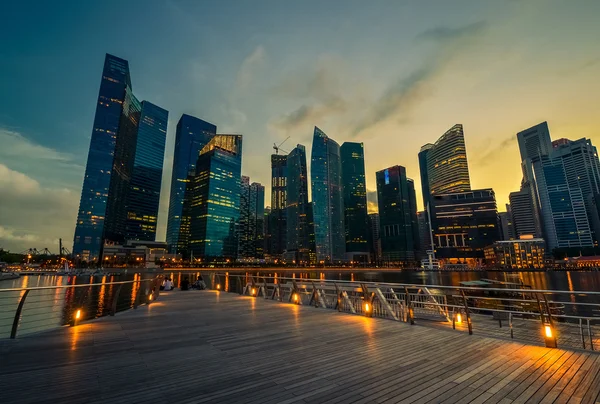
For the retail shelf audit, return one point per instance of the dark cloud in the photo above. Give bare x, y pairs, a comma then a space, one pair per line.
401, 99
309, 115
446, 34
492, 154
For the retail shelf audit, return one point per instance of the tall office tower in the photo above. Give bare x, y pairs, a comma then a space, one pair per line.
115, 168
506, 224
245, 241
191, 136
122, 170
215, 199
355, 201
89, 229
564, 218
423, 226
425, 174
414, 221
523, 212
375, 237
146, 178
299, 248
535, 141
267, 231
251, 225
582, 168
465, 223
277, 218
326, 185
447, 166
396, 218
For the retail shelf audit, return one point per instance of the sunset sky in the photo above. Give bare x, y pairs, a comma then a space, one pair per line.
392, 74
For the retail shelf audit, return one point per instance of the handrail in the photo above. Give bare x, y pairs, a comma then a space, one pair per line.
84, 285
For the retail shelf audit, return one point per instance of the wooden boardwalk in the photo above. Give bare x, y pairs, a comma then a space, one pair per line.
205, 347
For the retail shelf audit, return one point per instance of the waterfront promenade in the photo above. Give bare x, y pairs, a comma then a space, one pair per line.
201, 347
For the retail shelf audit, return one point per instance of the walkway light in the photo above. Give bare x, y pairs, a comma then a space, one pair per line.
296, 298
254, 292
458, 318
549, 337
218, 286
368, 309
151, 296
78, 314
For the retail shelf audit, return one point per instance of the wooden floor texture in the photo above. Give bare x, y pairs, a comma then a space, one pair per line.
206, 347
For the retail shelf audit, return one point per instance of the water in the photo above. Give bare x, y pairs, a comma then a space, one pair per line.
50, 308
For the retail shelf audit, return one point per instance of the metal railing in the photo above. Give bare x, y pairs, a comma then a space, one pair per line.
548, 317
33, 309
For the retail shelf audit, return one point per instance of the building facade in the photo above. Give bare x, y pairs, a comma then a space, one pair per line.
465, 223
516, 254
251, 235
447, 166
300, 249
326, 185
89, 229
215, 200
523, 212
506, 224
277, 217
396, 218
355, 200
191, 136
375, 238
146, 177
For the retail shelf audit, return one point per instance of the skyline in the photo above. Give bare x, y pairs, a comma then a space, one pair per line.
339, 82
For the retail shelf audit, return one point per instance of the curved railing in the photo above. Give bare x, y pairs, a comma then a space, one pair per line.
554, 318
33, 309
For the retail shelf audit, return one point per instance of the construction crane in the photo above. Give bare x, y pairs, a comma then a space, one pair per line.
277, 148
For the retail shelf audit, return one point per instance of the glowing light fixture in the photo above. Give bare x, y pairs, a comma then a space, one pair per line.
296, 298
548, 331
78, 314
253, 291
459, 318
218, 286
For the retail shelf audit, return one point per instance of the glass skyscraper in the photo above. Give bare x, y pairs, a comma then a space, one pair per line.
397, 216
424, 174
277, 217
191, 136
215, 199
110, 204
89, 229
447, 166
326, 185
299, 248
251, 223
146, 177
355, 198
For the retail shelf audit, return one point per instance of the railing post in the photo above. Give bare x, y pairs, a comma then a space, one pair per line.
581, 332
136, 302
510, 323
409, 306
113, 306
468, 314
15, 326
590, 335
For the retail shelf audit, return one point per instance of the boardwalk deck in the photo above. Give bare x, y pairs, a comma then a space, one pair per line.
205, 347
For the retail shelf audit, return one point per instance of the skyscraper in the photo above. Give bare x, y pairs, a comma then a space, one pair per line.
447, 166
277, 218
355, 200
191, 136
396, 217
326, 185
126, 149
251, 223
299, 211
465, 223
534, 141
525, 218
375, 237
215, 199
146, 178
425, 174
506, 224
89, 229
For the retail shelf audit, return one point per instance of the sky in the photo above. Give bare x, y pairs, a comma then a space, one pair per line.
391, 74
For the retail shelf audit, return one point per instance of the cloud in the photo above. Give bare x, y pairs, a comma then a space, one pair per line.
492, 154
32, 213
308, 115
249, 68
407, 93
372, 206
16, 145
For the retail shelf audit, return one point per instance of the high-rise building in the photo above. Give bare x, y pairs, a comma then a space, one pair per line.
582, 168
215, 199
424, 236
535, 141
396, 217
299, 248
563, 214
465, 223
326, 185
375, 237
447, 166
355, 200
120, 166
267, 231
523, 212
89, 229
277, 218
191, 136
251, 223
424, 173
146, 178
